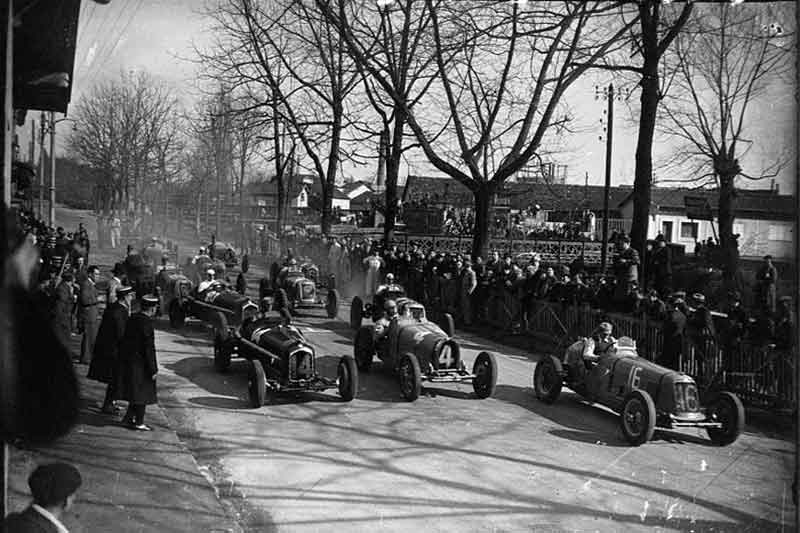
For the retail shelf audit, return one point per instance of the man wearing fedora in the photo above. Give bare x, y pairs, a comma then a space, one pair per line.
138, 364
105, 360
53, 487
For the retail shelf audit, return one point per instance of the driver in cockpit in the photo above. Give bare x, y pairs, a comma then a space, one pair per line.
590, 350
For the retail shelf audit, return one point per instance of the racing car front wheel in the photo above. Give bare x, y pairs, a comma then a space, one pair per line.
347, 378
257, 384
410, 377
546, 380
222, 354
485, 370
356, 313
332, 304
364, 348
638, 417
727, 409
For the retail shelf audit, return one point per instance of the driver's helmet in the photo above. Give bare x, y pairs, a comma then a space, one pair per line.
390, 306
200, 251
389, 279
292, 262
210, 272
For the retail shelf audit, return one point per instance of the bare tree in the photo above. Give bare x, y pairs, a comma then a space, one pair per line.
502, 71
124, 130
725, 60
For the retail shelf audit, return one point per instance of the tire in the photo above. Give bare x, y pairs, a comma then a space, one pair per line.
728, 409
222, 354
547, 381
220, 323
176, 315
332, 304
448, 325
364, 349
485, 370
347, 374
410, 377
281, 299
245, 263
638, 417
356, 313
257, 384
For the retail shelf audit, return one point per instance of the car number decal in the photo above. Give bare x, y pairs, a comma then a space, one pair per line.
445, 357
633, 377
418, 336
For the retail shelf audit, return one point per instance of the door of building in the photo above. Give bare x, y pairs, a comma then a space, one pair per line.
666, 230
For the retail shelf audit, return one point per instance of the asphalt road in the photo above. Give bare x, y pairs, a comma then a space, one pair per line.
450, 462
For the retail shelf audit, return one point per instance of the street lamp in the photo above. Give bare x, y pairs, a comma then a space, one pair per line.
52, 130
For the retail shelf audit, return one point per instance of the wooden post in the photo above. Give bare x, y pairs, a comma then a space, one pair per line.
6, 368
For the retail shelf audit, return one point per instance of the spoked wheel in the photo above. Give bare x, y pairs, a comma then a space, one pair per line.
546, 380
410, 377
347, 378
727, 409
485, 370
638, 417
257, 384
332, 304
356, 313
364, 349
222, 354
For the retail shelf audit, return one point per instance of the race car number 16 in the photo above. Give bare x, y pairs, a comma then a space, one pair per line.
633, 377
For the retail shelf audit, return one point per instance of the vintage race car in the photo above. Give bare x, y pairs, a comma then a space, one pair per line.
281, 360
223, 252
644, 394
374, 310
295, 288
195, 268
420, 351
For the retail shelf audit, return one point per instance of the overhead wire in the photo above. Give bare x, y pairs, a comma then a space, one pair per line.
106, 51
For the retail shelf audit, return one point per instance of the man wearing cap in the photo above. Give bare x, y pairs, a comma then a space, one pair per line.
138, 364
674, 330
626, 265
468, 284
53, 487
105, 361
208, 282
589, 350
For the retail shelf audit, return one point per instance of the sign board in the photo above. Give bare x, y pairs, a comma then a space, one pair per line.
698, 208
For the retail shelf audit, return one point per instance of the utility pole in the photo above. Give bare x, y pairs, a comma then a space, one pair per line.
52, 217
33, 142
41, 165
609, 94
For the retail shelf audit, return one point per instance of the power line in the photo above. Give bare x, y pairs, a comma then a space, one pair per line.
105, 54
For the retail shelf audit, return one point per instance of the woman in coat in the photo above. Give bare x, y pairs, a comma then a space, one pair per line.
105, 359
138, 364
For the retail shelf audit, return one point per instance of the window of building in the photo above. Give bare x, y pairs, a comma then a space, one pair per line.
778, 232
689, 230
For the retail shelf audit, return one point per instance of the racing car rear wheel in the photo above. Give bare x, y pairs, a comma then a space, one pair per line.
356, 313
485, 370
448, 325
222, 354
176, 315
727, 409
348, 378
546, 380
638, 417
257, 384
332, 304
220, 323
364, 348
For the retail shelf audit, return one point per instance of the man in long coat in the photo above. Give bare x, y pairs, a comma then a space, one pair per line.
138, 364
65, 300
87, 309
105, 360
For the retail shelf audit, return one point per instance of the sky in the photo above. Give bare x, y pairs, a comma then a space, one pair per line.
159, 36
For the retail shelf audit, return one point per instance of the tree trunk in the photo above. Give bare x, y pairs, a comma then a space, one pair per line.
484, 198
728, 245
329, 180
644, 155
393, 155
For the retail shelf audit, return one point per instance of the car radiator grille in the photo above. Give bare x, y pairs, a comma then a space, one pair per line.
301, 364
686, 398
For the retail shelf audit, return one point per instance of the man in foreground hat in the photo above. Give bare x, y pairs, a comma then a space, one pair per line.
53, 487
138, 364
105, 361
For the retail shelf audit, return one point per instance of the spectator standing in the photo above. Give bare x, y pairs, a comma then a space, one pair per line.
703, 333
87, 303
372, 267
661, 265
334, 258
116, 230
654, 306
115, 282
65, 301
766, 280
674, 330
784, 324
626, 267
138, 364
53, 487
241, 283
105, 361
469, 282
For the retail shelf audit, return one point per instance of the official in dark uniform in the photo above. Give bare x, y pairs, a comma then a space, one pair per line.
105, 361
138, 364
87, 307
